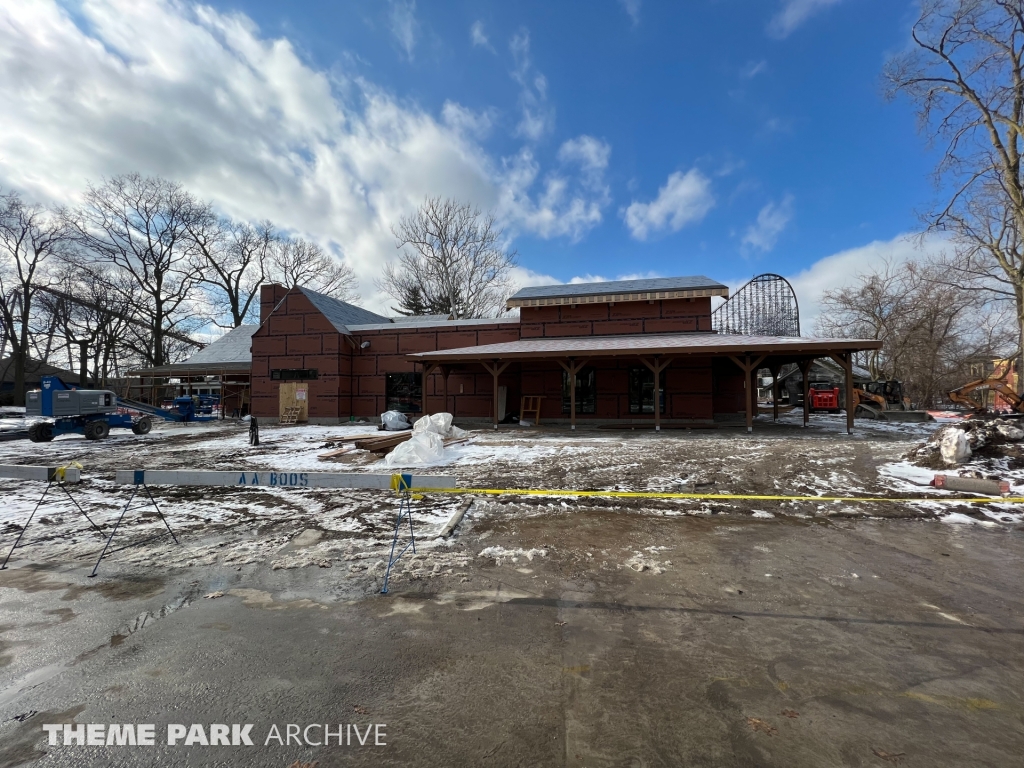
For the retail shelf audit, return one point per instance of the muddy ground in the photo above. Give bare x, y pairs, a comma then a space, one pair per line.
548, 631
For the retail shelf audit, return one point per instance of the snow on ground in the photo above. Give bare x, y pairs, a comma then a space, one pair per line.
352, 529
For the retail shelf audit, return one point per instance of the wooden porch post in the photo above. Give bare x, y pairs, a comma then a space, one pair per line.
846, 361
775, 391
656, 368
495, 371
749, 372
572, 369
445, 371
805, 372
428, 368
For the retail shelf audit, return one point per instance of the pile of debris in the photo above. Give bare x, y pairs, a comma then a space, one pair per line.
955, 444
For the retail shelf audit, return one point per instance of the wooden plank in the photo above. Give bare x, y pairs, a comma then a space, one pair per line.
273, 479
294, 394
339, 452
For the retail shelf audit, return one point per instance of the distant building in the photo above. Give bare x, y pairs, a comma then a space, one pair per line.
220, 370
34, 371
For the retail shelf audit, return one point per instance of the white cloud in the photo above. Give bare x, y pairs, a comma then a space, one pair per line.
771, 221
538, 118
842, 269
478, 37
685, 198
793, 13
198, 96
632, 7
465, 121
753, 69
402, 21
570, 202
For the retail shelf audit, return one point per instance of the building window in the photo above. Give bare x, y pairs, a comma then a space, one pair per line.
586, 392
294, 374
403, 392
641, 390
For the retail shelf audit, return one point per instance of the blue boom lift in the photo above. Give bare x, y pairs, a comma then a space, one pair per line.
92, 412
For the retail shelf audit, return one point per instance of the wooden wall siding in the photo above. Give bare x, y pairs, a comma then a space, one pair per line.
386, 354
687, 385
352, 380
299, 336
728, 388
633, 317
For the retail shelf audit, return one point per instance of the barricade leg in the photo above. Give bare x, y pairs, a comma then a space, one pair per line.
404, 510
25, 527
75, 502
157, 506
106, 546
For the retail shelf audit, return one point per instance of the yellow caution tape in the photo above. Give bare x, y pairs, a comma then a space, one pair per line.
61, 470
721, 496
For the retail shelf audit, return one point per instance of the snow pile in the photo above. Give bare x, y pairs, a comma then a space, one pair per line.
954, 446
499, 554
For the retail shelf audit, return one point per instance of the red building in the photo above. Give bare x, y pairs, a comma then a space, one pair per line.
619, 341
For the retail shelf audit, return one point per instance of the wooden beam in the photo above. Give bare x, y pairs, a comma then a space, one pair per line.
805, 372
445, 372
495, 371
775, 391
846, 361
428, 368
656, 366
572, 368
751, 398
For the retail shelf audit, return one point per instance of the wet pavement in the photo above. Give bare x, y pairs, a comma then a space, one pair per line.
593, 637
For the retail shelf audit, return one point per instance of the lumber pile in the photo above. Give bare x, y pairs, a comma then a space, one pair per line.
383, 443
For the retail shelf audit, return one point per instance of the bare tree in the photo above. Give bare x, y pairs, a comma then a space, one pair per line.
140, 225
30, 239
966, 75
451, 260
299, 262
932, 331
233, 261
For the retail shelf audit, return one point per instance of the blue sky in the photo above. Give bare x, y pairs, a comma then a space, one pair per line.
706, 84
725, 137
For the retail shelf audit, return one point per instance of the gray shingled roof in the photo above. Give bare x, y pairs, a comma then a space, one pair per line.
341, 313
233, 347
616, 286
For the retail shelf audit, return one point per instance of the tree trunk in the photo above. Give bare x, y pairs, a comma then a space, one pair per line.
83, 363
1019, 295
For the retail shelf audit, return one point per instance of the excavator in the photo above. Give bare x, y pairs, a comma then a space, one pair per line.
962, 395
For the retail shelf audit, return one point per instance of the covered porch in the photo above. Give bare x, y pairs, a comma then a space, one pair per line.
659, 354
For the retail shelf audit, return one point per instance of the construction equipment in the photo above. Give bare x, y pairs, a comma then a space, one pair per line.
823, 397
884, 400
962, 395
94, 412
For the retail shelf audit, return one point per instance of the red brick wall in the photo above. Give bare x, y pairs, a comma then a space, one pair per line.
631, 317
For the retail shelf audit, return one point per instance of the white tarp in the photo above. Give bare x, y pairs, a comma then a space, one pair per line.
426, 446
394, 421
